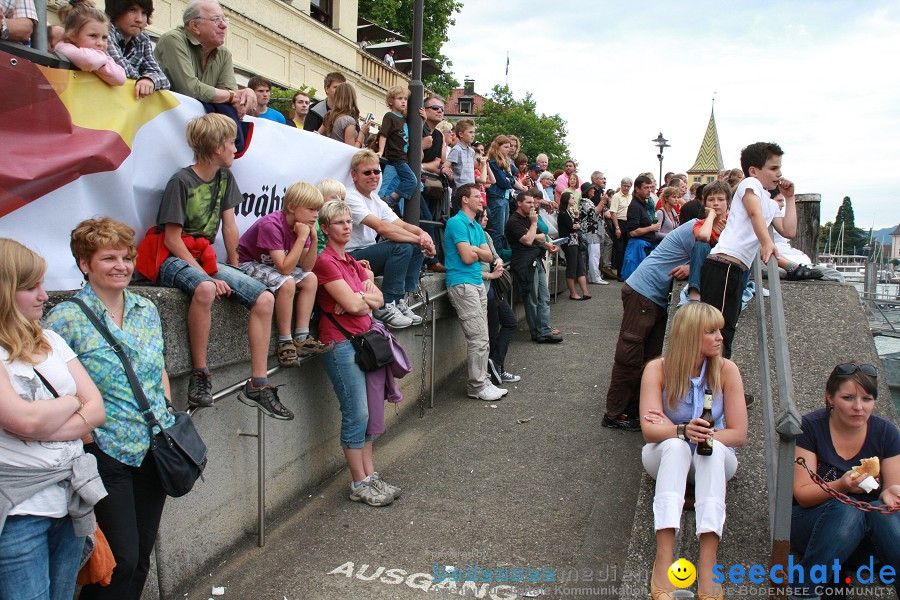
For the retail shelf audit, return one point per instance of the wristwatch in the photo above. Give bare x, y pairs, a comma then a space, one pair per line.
680, 431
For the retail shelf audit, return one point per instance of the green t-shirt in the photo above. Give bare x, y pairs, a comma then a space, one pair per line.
197, 205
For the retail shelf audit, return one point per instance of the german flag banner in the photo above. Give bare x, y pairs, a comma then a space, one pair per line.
73, 147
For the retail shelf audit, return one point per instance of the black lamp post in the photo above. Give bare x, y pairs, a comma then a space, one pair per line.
660, 142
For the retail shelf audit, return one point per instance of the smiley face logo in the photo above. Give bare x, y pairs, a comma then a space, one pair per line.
682, 573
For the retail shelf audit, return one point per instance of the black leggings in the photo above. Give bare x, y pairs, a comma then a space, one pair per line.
575, 266
129, 517
502, 325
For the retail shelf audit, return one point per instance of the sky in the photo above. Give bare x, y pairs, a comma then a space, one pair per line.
815, 77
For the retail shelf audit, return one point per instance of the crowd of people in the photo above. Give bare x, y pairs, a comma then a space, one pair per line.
74, 447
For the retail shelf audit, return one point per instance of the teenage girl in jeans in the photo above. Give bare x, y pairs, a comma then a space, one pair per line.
347, 293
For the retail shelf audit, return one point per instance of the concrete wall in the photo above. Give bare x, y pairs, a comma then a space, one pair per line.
221, 512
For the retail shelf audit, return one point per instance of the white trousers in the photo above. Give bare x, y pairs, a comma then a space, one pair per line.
671, 464
593, 254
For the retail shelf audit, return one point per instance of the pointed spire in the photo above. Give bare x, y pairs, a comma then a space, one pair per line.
709, 158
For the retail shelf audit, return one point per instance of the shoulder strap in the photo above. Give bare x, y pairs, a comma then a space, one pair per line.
136, 388
338, 325
46, 384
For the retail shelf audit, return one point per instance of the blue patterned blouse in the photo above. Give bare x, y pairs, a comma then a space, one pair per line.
124, 436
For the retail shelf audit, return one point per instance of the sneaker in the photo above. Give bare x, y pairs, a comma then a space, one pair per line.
623, 421
489, 393
494, 372
404, 308
393, 490
509, 378
287, 354
503, 391
602, 281
310, 345
391, 316
370, 492
266, 400
200, 389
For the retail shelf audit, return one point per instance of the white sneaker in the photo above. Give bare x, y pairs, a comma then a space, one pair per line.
503, 391
404, 308
391, 316
602, 281
488, 393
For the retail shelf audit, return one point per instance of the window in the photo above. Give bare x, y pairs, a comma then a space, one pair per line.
697, 179
710, 179
322, 11
465, 106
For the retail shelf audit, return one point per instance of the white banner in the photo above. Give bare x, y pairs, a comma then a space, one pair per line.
275, 157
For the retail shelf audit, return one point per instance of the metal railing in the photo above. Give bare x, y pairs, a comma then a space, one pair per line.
260, 433
782, 429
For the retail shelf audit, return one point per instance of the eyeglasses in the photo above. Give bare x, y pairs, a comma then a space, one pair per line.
436, 107
851, 368
368, 172
216, 20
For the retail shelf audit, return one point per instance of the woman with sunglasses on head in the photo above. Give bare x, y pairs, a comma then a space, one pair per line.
835, 439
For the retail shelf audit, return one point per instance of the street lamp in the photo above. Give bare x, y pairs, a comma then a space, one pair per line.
660, 142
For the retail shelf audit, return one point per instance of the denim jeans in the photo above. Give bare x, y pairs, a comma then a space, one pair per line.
177, 273
349, 383
537, 303
406, 180
498, 215
399, 263
39, 558
833, 530
698, 256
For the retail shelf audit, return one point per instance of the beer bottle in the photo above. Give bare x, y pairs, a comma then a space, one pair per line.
706, 448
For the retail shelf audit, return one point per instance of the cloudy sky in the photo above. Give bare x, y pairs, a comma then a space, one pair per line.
815, 77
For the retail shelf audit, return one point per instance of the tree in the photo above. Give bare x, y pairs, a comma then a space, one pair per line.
854, 238
537, 133
397, 15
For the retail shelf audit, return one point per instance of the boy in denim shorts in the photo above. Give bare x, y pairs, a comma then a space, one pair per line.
280, 251
196, 200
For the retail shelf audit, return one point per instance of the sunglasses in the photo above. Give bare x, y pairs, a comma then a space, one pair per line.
436, 107
368, 172
851, 368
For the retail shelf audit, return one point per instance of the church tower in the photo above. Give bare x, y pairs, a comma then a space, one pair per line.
709, 159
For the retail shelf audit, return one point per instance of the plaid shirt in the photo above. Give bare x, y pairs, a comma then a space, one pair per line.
18, 9
136, 57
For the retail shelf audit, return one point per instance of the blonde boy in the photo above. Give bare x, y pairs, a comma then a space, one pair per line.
196, 200
280, 251
393, 146
331, 189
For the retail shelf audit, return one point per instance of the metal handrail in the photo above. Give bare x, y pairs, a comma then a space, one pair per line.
260, 434
786, 424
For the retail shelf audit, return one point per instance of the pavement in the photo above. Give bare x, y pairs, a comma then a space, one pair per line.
531, 488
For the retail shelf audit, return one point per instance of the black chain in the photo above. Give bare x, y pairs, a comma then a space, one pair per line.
843, 498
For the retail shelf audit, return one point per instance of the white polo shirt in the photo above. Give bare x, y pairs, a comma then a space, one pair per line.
361, 207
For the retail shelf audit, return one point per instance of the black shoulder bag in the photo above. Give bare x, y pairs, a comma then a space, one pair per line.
373, 350
179, 451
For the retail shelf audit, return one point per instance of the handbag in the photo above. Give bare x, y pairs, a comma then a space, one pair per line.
179, 451
373, 350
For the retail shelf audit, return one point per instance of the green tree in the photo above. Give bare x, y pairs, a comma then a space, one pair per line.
854, 238
537, 133
397, 15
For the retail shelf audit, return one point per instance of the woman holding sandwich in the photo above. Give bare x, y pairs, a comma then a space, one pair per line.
836, 439
674, 389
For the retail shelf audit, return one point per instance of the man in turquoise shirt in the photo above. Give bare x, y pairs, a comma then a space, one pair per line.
464, 248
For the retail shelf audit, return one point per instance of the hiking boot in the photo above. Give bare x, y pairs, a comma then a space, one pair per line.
287, 354
489, 393
506, 377
310, 345
391, 316
266, 400
200, 390
404, 308
370, 493
393, 490
622, 421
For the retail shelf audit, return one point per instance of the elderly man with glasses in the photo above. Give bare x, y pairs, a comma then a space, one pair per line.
193, 58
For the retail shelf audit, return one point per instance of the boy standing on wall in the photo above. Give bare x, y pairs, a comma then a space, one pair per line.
746, 233
393, 145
